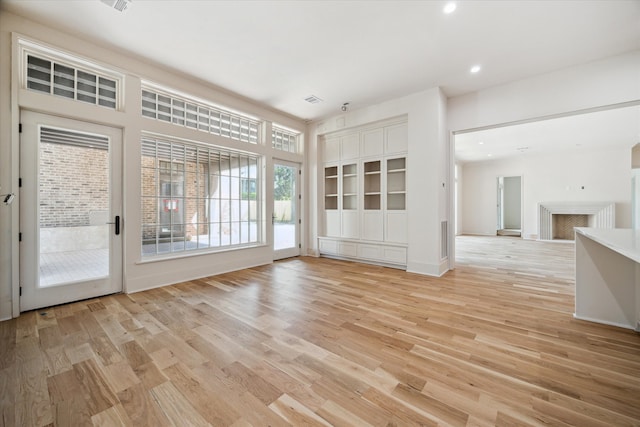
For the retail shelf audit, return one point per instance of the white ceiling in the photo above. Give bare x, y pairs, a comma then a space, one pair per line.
361, 52
610, 128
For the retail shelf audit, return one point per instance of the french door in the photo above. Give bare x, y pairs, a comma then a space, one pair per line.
286, 210
70, 210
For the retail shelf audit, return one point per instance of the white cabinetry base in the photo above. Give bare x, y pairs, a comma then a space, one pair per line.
376, 253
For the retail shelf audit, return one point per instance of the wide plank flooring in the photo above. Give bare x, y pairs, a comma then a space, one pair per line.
310, 341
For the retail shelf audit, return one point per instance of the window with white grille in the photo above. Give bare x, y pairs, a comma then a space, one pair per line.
62, 79
206, 118
198, 197
285, 140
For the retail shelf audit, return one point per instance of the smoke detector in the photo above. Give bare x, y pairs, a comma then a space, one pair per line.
119, 5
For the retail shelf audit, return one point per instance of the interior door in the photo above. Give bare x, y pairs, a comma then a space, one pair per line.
70, 210
286, 210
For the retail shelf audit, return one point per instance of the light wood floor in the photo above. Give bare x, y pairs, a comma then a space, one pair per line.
321, 342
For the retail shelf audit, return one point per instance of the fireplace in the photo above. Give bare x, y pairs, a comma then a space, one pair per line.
562, 225
556, 220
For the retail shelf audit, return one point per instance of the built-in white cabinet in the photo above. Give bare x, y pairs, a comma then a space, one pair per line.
365, 194
396, 139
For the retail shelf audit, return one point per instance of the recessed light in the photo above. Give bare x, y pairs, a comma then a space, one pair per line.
449, 8
489, 155
475, 69
480, 142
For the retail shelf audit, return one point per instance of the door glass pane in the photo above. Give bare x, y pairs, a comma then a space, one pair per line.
284, 207
73, 206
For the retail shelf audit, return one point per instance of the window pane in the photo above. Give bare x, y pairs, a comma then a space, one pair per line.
86, 87
187, 204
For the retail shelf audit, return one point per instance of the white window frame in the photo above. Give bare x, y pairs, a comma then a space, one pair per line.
28, 47
209, 201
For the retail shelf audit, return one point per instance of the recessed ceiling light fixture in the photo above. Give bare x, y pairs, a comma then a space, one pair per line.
449, 8
475, 69
480, 142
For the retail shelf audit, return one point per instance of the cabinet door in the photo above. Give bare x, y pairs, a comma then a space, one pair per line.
332, 223
372, 143
372, 225
350, 146
396, 227
396, 139
350, 229
331, 150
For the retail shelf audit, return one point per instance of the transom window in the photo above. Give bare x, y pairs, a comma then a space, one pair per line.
197, 197
285, 140
189, 113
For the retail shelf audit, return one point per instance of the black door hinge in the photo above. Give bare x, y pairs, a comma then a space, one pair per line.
20, 237
299, 245
299, 221
19, 182
20, 293
19, 127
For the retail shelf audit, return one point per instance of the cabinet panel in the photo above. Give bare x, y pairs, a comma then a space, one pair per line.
395, 255
347, 249
351, 146
331, 151
372, 143
396, 227
372, 252
332, 223
350, 224
372, 225
328, 247
396, 139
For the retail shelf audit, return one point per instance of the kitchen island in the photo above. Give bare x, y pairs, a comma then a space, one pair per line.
608, 276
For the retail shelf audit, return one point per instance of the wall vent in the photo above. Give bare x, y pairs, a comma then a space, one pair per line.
444, 239
312, 99
119, 5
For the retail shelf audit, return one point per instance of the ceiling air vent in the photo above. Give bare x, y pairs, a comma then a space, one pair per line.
119, 5
312, 99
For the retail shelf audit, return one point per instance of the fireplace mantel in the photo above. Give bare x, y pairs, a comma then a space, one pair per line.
602, 215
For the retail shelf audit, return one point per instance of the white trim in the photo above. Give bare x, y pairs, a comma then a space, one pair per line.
605, 322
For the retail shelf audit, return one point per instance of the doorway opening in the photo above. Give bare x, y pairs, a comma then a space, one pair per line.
509, 206
286, 210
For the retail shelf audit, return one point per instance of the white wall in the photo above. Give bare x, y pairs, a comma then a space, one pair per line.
427, 170
609, 81
138, 274
605, 175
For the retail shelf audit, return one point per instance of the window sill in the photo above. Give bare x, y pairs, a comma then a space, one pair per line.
195, 253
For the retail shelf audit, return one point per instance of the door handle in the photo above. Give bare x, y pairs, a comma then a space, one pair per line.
116, 222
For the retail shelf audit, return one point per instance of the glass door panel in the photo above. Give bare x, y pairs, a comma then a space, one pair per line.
286, 210
69, 211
